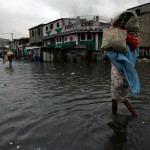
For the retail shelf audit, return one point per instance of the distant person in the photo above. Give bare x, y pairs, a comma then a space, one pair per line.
123, 72
8, 57
3, 55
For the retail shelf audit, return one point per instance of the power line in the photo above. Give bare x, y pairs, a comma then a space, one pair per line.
14, 34
4, 33
20, 34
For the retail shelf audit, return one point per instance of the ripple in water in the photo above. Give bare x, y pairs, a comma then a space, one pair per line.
68, 107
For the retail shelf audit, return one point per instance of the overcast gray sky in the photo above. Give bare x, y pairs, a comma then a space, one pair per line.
17, 16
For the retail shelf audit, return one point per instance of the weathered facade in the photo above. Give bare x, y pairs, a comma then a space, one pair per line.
36, 35
143, 12
72, 38
18, 45
4, 46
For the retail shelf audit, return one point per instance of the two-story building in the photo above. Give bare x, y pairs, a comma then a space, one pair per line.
72, 39
36, 41
36, 35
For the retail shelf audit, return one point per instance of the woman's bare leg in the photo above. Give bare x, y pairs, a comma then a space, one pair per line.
130, 108
114, 106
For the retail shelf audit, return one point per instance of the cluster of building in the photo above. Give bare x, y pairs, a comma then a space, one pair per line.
66, 39
75, 39
4, 45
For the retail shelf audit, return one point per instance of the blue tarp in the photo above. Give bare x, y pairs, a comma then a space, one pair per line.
125, 62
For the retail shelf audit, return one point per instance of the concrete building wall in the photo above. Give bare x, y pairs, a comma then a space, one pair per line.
144, 30
143, 8
71, 38
36, 35
143, 12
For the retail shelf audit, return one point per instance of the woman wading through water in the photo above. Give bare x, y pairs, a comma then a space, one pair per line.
123, 72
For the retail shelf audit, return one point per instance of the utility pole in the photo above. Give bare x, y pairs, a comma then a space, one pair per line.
11, 41
12, 36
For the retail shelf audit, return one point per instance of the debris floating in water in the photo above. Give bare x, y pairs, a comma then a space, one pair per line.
10, 143
18, 146
37, 149
73, 73
5, 84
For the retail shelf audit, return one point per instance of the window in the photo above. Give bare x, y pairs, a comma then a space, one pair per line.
57, 24
71, 39
51, 26
65, 39
48, 42
38, 31
82, 36
46, 28
138, 11
32, 32
90, 24
89, 36
59, 39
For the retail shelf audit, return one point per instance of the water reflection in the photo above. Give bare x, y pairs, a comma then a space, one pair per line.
118, 139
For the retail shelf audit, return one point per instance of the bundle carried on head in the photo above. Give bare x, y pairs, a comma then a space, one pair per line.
127, 20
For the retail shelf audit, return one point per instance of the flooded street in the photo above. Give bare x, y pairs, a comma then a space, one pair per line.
49, 106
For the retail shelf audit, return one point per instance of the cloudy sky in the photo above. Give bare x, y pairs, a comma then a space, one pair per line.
17, 16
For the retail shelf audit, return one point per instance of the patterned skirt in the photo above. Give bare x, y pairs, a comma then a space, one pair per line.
119, 85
